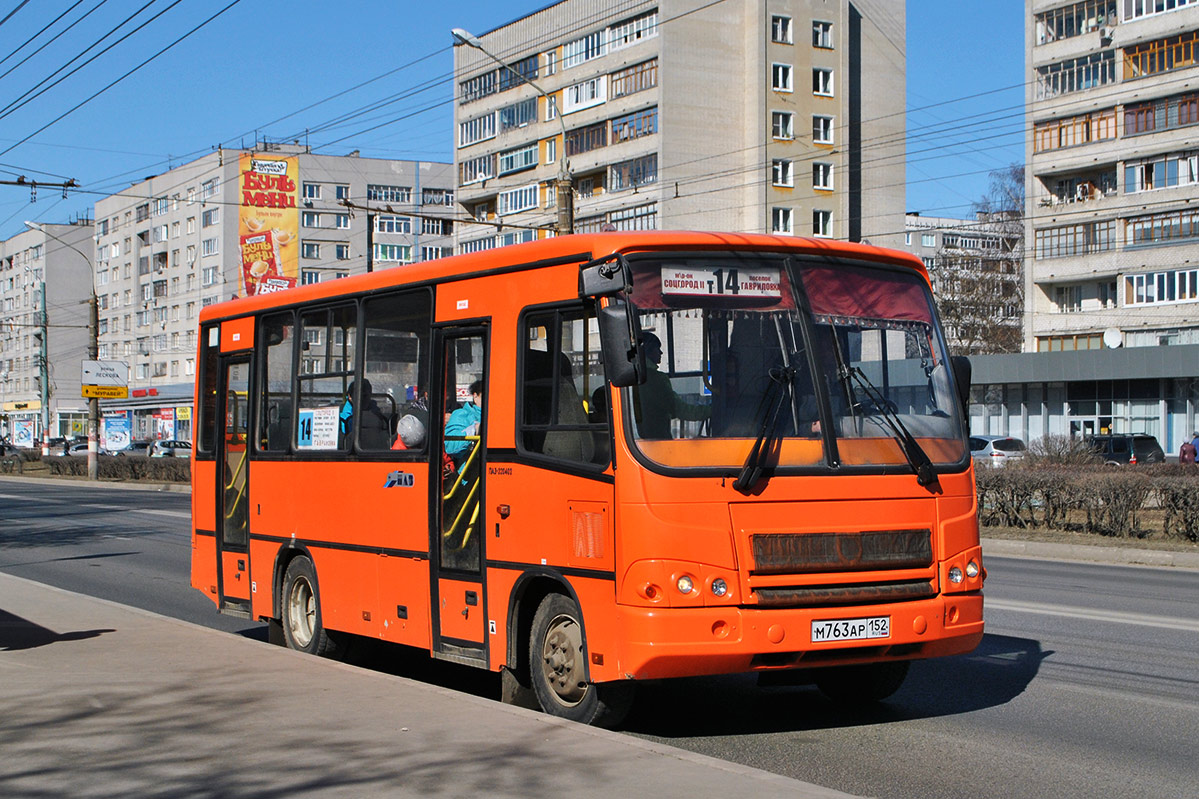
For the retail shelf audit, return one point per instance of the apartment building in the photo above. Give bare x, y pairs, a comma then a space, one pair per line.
45, 288
762, 116
1113, 111
237, 222
976, 269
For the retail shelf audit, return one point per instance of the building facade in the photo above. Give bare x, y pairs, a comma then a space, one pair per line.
1113, 170
761, 116
233, 223
45, 289
976, 269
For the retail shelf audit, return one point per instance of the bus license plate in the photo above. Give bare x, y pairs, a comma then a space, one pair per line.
851, 629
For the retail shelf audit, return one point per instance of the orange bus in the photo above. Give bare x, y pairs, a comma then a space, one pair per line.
598, 459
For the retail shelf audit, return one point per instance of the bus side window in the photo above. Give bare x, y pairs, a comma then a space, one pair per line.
396, 330
327, 343
277, 333
562, 375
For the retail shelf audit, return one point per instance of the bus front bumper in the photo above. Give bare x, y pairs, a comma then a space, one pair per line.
675, 642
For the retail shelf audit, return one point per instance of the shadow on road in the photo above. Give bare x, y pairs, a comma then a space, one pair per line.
18, 633
995, 673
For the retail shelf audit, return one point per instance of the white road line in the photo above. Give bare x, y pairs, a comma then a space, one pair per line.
1113, 616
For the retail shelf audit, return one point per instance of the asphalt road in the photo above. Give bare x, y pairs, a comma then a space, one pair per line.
1084, 686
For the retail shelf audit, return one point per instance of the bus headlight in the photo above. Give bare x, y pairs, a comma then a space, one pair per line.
685, 584
955, 574
719, 587
972, 570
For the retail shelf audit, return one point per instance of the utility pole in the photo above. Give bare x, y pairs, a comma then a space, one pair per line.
370, 240
93, 403
44, 368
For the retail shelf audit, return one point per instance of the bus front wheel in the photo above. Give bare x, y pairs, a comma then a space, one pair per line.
302, 626
558, 667
862, 685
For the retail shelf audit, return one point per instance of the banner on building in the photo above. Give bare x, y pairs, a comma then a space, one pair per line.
164, 423
269, 222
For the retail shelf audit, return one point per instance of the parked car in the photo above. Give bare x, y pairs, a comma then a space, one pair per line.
169, 448
134, 448
1119, 450
8, 448
996, 450
77, 448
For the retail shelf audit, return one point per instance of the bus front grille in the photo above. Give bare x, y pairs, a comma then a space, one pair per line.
872, 550
813, 596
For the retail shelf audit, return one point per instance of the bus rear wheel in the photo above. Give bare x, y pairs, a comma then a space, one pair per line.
862, 685
558, 668
303, 629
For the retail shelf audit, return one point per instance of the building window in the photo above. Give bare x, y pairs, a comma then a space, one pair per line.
551, 150
341, 191
642, 217
822, 175
476, 169
782, 125
635, 125
210, 246
1068, 299
310, 219
207, 278
781, 220
476, 87
780, 77
550, 60
518, 115
342, 221
473, 131
341, 252
1071, 131
1081, 18
633, 173
393, 224
633, 31
780, 29
1163, 55
822, 82
389, 194
515, 200
633, 79
519, 159
433, 253
1075, 75
1059, 242
822, 223
928, 239
781, 174
311, 191
588, 93
582, 140
210, 188
822, 35
401, 253
582, 50
436, 227
1161, 228
519, 72
310, 249
822, 129
309, 276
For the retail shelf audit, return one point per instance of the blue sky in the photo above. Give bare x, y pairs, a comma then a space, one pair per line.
375, 76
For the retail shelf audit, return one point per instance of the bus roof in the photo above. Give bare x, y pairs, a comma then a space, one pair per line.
579, 247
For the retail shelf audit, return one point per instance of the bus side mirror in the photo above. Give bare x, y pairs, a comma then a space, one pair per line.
620, 341
962, 371
604, 277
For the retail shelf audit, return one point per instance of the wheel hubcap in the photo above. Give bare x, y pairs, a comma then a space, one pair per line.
301, 612
562, 660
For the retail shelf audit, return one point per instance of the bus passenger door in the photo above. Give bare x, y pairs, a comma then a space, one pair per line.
457, 542
233, 488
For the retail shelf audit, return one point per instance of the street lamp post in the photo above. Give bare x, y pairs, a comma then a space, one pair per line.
93, 352
564, 188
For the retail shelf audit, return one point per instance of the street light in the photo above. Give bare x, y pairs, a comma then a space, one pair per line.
566, 222
93, 351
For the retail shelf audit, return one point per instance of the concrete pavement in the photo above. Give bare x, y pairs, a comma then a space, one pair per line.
100, 699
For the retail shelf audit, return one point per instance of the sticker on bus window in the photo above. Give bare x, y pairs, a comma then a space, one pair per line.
712, 281
318, 428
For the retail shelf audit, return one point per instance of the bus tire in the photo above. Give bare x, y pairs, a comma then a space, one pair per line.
558, 669
303, 629
864, 684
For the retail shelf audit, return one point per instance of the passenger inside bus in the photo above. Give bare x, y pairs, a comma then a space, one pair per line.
656, 402
375, 432
464, 422
410, 433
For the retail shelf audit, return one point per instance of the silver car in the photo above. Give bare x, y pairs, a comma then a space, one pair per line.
171, 449
996, 450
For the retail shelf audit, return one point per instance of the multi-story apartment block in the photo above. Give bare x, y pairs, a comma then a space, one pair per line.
46, 264
236, 222
976, 268
1112, 234
780, 116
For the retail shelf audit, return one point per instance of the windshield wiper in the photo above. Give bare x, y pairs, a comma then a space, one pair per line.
780, 390
918, 459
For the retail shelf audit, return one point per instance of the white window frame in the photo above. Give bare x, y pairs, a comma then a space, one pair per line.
473, 131
585, 94
822, 127
210, 246
822, 223
782, 77
822, 175
782, 125
634, 30
782, 221
585, 48
781, 30
512, 201
822, 81
311, 191
822, 34
782, 172
310, 249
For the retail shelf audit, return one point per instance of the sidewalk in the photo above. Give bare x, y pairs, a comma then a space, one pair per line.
100, 699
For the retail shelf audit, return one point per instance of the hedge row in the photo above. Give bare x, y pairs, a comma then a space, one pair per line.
132, 467
1115, 501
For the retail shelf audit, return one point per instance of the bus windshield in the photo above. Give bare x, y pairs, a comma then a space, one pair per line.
818, 362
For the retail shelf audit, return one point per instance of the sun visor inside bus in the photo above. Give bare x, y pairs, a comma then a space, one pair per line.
853, 293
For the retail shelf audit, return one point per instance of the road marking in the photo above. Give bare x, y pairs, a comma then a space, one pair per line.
1113, 616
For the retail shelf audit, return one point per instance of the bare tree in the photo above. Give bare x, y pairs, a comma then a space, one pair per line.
979, 271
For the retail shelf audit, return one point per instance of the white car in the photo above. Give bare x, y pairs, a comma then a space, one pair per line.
996, 450
171, 449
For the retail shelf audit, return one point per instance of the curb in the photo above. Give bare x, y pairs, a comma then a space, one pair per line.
1117, 555
174, 488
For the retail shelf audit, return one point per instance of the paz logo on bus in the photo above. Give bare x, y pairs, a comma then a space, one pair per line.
400, 479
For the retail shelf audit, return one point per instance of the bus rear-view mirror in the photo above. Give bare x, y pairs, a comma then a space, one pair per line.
624, 359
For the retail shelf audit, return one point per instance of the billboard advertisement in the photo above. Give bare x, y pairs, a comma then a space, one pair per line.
116, 431
269, 222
